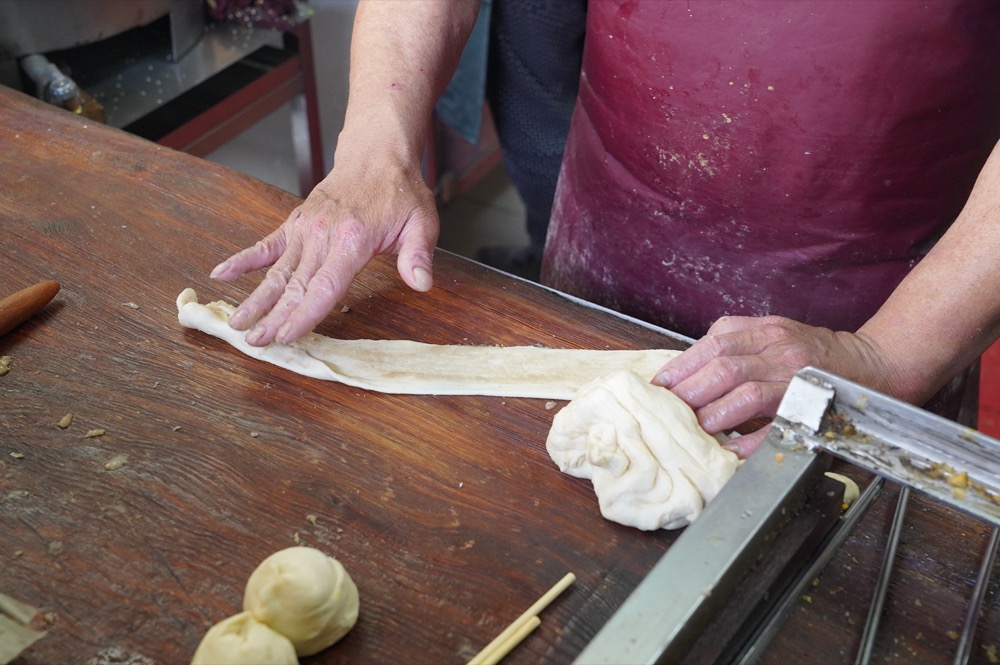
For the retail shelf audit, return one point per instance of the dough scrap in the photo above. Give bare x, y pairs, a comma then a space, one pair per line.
304, 595
242, 640
651, 463
851, 490
407, 367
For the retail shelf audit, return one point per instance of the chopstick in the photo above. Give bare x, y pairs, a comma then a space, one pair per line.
521, 627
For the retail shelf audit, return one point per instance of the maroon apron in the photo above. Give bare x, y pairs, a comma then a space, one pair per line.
770, 157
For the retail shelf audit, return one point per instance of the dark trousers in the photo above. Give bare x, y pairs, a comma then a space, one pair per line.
533, 75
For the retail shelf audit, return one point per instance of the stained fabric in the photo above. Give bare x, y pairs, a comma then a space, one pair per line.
769, 157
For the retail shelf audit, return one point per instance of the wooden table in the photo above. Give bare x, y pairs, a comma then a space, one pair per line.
447, 511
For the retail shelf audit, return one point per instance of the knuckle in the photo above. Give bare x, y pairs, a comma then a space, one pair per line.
352, 235
715, 345
725, 370
278, 275
796, 358
275, 280
751, 394
776, 330
295, 288
324, 285
723, 322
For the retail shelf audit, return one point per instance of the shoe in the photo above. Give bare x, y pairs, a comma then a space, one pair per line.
524, 262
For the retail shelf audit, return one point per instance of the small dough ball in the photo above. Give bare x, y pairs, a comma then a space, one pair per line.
305, 595
242, 640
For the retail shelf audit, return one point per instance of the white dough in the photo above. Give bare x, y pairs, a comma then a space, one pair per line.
651, 463
242, 640
305, 595
406, 367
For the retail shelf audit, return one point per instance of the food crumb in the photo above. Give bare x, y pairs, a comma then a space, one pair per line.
779, 457
17, 455
296, 538
952, 634
130, 305
550, 405
806, 597
116, 462
959, 479
94, 433
65, 421
311, 519
254, 434
56, 547
461, 484
345, 309
991, 653
175, 428
5, 364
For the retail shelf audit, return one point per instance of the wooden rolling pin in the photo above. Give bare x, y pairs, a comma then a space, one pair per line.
15, 309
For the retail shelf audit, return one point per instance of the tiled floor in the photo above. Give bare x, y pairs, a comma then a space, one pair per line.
490, 213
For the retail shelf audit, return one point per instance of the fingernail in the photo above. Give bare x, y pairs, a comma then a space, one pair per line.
422, 278
662, 379
217, 270
238, 319
253, 337
283, 333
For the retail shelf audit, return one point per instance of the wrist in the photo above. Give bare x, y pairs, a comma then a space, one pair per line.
384, 133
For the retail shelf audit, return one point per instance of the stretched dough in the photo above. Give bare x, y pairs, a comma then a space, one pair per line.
406, 367
651, 463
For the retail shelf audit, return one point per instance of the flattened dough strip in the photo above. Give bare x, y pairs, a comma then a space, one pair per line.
415, 368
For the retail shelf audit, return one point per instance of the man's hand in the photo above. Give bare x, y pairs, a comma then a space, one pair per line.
740, 369
316, 253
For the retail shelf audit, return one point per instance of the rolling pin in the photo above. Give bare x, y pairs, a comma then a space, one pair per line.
15, 309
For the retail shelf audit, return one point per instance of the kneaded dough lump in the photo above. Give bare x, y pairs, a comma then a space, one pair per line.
651, 463
242, 640
305, 595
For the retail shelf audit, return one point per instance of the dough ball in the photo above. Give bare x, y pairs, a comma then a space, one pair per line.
651, 463
305, 595
242, 640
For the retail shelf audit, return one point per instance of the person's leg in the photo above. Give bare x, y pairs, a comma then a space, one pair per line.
532, 79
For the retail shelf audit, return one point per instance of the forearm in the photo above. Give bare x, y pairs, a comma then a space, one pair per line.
947, 311
403, 52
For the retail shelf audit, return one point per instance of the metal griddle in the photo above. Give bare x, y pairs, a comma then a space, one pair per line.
821, 414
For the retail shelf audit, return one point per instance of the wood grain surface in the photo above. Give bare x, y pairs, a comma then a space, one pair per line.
446, 511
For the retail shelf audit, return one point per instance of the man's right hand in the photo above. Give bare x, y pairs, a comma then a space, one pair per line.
348, 218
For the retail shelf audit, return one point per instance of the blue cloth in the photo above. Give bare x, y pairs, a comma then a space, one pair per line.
461, 105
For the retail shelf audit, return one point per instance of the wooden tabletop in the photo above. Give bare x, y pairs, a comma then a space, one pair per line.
447, 511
